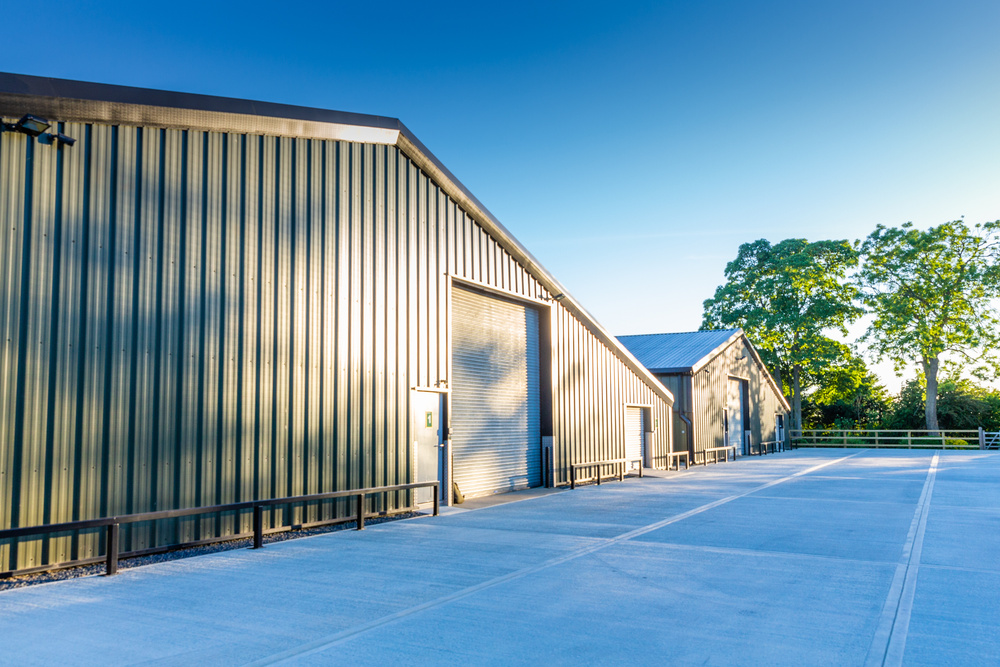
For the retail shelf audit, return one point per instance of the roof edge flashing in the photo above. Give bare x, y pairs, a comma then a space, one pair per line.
84, 102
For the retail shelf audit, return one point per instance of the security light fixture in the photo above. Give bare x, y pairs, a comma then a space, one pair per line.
30, 125
36, 127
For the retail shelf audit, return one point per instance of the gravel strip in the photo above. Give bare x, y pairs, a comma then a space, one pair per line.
188, 552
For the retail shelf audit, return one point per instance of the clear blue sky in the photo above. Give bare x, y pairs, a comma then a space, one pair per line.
632, 147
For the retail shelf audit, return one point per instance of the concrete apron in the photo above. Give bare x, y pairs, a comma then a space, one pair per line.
807, 557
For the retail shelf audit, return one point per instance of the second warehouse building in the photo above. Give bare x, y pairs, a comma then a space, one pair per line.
725, 395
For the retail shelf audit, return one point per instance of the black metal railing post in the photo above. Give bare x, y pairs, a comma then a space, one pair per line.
258, 527
361, 511
111, 566
437, 498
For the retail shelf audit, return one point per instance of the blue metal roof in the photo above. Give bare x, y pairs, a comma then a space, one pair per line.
676, 352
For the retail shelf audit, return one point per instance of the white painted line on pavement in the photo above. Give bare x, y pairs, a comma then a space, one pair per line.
889, 641
324, 643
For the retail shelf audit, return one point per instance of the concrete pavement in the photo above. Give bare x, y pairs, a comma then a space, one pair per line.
843, 557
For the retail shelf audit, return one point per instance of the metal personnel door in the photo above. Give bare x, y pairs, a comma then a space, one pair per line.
635, 433
735, 408
495, 419
427, 441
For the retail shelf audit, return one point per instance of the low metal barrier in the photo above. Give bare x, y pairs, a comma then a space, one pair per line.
769, 447
113, 523
714, 451
600, 464
676, 458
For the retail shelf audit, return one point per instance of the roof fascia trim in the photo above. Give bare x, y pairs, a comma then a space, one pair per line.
72, 101
680, 370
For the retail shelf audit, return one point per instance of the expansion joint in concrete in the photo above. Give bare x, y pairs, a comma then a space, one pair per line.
889, 642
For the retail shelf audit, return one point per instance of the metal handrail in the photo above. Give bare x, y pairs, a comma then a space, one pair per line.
677, 457
715, 453
773, 446
621, 475
113, 522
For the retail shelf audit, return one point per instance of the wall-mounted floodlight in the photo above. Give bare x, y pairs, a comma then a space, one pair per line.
29, 125
36, 127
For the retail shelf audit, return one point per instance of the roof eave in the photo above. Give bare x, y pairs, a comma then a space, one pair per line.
684, 370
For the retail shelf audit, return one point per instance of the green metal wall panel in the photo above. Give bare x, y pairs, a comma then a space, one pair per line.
191, 317
591, 389
709, 397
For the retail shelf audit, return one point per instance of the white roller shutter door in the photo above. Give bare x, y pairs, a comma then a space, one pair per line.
495, 418
635, 432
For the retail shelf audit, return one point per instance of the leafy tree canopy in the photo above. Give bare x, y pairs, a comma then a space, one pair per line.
848, 396
931, 293
962, 404
785, 297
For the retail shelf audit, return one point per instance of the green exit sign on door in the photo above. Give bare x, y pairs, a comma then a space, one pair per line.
429, 419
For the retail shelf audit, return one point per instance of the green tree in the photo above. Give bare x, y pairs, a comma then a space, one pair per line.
787, 297
961, 404
931, 294
847, 396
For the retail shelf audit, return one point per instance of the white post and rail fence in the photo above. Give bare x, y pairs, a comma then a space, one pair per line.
896, 439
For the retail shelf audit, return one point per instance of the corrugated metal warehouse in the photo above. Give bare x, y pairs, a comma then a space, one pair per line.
724, 394
209, 300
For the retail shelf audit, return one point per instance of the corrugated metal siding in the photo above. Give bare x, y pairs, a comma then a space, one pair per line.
709, 398
196, 317
680, 387
591, 387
